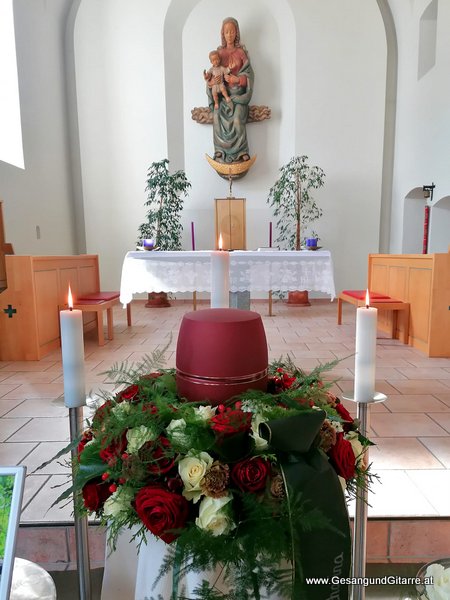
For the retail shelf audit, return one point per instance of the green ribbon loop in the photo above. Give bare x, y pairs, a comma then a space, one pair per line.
321, 554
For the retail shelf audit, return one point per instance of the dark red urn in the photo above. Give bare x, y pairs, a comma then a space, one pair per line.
221, 352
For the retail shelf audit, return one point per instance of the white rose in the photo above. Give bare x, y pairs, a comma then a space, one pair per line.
205, 413
260, 442
176, 432
357, 447
440, 588
192, 469
118, 502
121, 410
138, 436
212, 517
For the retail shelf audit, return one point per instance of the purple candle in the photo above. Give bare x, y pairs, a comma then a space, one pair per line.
192, 235
148, 244
270, 234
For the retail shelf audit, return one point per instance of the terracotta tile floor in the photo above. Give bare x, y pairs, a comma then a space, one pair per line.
411, 430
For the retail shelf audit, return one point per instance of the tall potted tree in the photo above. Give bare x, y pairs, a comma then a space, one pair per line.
295, 209
163, 219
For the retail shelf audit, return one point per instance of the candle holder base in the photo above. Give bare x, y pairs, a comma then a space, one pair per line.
377, 397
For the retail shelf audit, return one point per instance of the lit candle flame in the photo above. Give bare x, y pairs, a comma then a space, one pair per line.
220, 242
367, 299
70, 299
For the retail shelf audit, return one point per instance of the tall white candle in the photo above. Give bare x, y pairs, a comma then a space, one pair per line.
365, 359
220, 277
72, 349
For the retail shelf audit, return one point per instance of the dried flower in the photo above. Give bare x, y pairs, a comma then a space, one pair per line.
277, 487
215, 481
327, 436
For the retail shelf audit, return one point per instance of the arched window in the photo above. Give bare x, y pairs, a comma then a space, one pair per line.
11, 149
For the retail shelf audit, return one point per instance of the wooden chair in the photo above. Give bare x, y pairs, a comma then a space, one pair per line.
381, 302
98, 302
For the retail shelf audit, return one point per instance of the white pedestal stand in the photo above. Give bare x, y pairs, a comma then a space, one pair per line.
360, 521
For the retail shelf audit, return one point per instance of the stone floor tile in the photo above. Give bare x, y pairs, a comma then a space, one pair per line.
36, 390
442, 419
402, 453
39, 407
418, 386
405, 425
40, 508
7, 405
425, 403
14, 453
8, 427
435, 486
41, 429
440, 447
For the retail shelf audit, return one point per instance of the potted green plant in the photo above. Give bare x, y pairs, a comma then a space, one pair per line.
295, 209
163, 219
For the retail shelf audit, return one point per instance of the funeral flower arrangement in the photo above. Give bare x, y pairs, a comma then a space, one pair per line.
195, 475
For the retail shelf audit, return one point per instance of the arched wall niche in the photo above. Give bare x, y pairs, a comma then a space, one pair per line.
440, 225
326, 92
267, 35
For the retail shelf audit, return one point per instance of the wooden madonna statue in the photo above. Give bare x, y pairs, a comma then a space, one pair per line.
229, 87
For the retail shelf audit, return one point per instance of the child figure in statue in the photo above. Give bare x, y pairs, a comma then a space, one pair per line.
215, 74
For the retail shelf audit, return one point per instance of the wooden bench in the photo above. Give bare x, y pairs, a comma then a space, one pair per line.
381, 302
98, 302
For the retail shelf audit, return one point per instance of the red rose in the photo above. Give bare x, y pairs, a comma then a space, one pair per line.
250, 475
158, 456
111, 453
345, 416
231, 421
95, 493
130, 393
85, 438
162, 511
342, 457
101, 414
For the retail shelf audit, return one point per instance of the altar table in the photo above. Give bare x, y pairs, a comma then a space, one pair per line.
253, 271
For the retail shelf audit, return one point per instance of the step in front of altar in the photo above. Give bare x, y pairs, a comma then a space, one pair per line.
399, 540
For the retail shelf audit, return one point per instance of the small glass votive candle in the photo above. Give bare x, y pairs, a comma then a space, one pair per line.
148, 244
311, 243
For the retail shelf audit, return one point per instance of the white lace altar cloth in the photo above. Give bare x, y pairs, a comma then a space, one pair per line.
253, 271
130, 575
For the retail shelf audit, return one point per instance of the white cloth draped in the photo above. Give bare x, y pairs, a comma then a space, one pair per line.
131, 575
253, 271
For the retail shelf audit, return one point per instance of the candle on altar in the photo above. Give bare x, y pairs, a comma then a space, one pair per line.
365, 359
220, 277
72, 349
148, 244
192, 235
270, 234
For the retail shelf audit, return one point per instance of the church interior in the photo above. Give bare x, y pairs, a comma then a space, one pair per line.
96, 92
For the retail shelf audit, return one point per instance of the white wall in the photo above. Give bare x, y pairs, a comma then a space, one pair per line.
40, 195
122, 120
423, 122
320, 66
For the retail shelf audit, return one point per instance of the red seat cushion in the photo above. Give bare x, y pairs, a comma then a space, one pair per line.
104, 296
361, 295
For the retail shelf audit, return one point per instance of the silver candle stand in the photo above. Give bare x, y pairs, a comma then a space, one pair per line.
360, 521
81, 523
